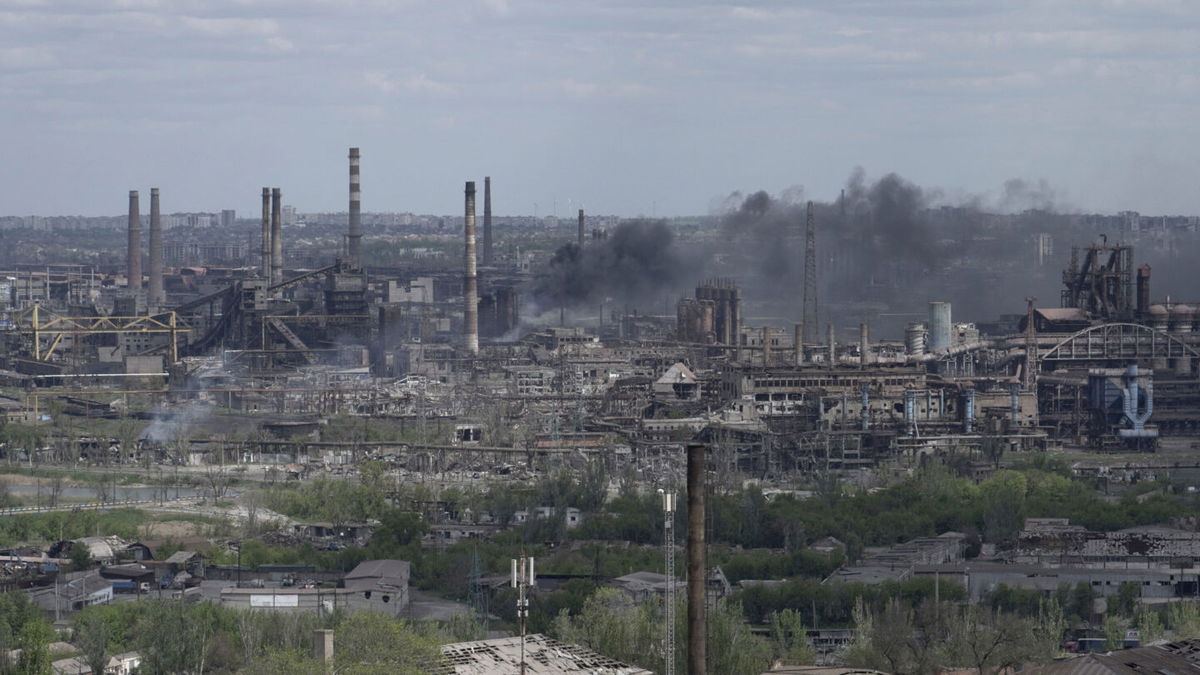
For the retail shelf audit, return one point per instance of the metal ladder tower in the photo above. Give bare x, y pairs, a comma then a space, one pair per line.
669, 550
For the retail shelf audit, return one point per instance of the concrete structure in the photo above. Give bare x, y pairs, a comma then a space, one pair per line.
939, 326
487, 221
155, 299
265, 271
543, 656
276, 236
134, 251
354, 237
470, 281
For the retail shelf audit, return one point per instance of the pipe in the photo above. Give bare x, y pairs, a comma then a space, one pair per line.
864, 391
265, 272
1014, 404
134, 252
354, 237
798, 343
581, 221
157, 298
487, 221
969, 413
697, 565
276, 236
864, 345
470, 281
766, 345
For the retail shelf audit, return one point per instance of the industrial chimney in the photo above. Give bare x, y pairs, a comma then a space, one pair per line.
276, 237
487, 221
134, 254
470, 283
581, 223
157, 298
266, 235
354, 238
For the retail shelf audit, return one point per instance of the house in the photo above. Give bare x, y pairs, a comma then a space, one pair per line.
381, 582
153, 549
679, 383
543, 655
73, 593
1172, 657
121, 664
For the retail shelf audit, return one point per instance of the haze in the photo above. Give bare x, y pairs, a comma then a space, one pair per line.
652, 107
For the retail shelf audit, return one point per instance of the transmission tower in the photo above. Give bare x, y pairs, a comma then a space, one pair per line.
810, 277
669, 550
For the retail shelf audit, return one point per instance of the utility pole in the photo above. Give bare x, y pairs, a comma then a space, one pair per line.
669, 549
522, 578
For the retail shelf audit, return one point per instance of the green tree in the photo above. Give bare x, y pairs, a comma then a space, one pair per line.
370, 643
789, 640
1125, 601
91, 636
36, 636
81, 557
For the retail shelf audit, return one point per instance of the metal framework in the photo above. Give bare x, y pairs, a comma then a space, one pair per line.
1119, 341
35, 322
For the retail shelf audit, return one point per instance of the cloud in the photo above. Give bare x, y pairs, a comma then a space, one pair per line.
231, 26
25, 58
384, 83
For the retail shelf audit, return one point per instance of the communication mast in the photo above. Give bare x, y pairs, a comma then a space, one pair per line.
522, 579
669, 552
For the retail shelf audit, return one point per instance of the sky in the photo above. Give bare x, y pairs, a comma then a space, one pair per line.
627, 107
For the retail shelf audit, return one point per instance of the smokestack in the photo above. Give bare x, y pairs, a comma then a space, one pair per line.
487, 221
266, 235
832, 346
798, 343
134, 254
581, 221
276, 237
696, 559
766, 345
157, 299
354, 238
1143, 290
470, 287
864, 344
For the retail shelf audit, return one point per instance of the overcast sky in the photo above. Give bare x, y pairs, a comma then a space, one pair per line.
621, 106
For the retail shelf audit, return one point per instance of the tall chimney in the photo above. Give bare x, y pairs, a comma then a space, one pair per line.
864, 344
581, 222
470, 287
766, 345
354, 238
157, 298
798, 344
266, 235
276, 237
697, 564
134, 254
487, 221
1143, 290
832, 346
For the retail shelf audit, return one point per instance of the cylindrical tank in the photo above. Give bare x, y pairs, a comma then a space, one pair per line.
914, 339
1181, 318
939, 326
1159, 316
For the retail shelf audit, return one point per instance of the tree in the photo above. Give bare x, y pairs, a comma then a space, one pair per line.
789, 640
81, 557
1126, 598
36, 636
92, 637
372, 642
990, 640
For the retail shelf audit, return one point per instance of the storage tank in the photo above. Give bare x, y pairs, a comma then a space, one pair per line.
939, 326
1159, 316
914, 339
1181, 317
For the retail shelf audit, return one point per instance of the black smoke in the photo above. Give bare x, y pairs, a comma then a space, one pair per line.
634, 265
